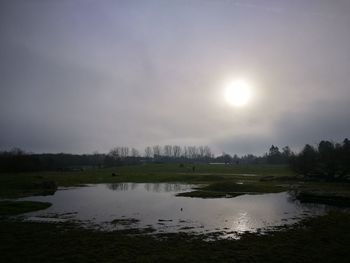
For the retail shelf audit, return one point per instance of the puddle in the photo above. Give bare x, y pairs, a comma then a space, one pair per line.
132, 205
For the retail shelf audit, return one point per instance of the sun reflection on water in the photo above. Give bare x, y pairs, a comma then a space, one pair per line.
241, 224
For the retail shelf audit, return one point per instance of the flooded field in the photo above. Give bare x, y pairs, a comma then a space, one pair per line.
155, 206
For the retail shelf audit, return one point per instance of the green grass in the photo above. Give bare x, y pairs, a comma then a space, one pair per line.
207, 194
19, 207
256, 187
232, 189
321, 239
23, 184
221, 179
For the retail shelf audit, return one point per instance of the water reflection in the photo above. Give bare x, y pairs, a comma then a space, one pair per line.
153, 187
122, 186
166, 187
306, 206
241, 223
156, 206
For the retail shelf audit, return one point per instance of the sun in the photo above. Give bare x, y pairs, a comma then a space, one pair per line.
238, 93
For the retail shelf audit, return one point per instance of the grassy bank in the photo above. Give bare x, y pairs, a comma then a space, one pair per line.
221, 180
8, 208
322, 239
235, 188
24, 184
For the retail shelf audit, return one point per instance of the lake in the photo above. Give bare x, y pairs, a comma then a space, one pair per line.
155, 205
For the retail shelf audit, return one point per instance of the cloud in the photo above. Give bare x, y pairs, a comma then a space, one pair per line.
83, 76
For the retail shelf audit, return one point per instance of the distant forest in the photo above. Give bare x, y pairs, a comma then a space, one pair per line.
328, 160
18, 160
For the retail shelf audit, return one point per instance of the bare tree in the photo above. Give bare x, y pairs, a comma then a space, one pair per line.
192, 152
135, 152
207, 152
115, 153
156, 151
201, 151
185, 152
148, 152
17, 151
125, 152
168, 151
176, 151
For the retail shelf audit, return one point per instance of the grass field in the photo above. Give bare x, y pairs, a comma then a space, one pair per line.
23, 184
222, 179
19, 207
321, 239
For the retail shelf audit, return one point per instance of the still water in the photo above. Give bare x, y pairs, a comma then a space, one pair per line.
132, 205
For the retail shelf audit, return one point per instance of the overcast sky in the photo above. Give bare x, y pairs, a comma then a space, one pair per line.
79, 76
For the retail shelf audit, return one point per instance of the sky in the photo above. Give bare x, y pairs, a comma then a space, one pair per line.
80, 76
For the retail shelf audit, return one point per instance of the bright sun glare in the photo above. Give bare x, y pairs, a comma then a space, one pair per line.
238, 93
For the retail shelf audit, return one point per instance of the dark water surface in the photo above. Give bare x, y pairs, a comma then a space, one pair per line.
132, 205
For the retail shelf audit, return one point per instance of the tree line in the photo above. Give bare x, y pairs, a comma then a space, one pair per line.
170, 151
17, 160
327, 161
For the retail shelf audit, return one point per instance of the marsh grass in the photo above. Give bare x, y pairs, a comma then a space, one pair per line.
25, 184
19, 207
233, 189
321, 239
